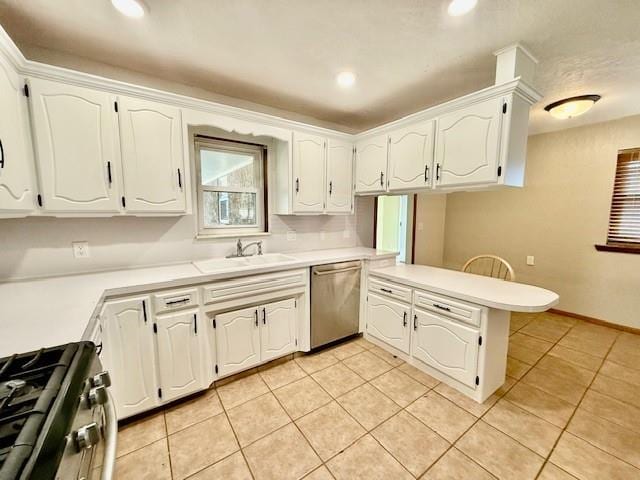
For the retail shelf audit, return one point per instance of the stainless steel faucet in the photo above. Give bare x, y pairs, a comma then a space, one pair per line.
240, 249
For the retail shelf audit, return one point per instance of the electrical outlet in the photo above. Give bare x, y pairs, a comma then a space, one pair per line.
80, 249
420, 226
530, 260
291, 236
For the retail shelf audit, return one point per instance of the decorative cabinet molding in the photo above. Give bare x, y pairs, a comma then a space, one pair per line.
179, 358
129, 354
468, 144
75, 143
237, 340
17, 179
371, 165
446, 345
249, 336
339, 179
309, 162
153, 167
389, 321
411, 157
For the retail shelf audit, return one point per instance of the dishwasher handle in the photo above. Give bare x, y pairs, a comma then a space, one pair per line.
331, 272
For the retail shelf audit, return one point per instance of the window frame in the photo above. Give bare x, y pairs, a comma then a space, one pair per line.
259, 153
632, 246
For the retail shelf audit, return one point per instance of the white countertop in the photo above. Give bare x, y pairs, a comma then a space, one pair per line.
491, 292
57, 310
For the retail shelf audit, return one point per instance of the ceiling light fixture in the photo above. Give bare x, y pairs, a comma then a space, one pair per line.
572, 107
346, 79
129, 8
460, 7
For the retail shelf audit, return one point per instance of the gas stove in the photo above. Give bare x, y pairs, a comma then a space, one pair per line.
54, 410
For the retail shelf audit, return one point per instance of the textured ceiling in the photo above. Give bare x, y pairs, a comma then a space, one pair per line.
407, 54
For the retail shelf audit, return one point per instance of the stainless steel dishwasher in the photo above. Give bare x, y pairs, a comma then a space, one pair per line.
335, 302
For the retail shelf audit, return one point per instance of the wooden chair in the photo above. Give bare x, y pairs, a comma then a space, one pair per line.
490, 266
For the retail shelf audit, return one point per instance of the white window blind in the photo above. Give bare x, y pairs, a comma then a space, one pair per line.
624, 219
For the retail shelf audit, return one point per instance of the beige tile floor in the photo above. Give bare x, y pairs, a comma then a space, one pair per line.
570, 409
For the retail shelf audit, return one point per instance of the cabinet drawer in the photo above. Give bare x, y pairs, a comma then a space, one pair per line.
174, 300
247, 286
390, 289
457, 309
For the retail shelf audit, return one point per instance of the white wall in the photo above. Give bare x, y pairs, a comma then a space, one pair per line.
558, 217
42, 246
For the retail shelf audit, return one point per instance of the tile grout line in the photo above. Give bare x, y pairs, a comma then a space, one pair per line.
564, 429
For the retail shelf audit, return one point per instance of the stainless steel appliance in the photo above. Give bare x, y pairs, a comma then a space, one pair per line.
55, 409
335, 302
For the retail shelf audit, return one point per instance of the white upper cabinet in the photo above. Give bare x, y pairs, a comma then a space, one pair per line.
388, 321
152, 157
128, 354
278, 335
371, 165
446, 345
468, 144
75, 143
339, 177
411, 157
17, 180
309, 154
179, 356
237, 340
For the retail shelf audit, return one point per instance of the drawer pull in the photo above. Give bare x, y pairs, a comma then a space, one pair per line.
446, 309
404, 320
386, 290
176, 302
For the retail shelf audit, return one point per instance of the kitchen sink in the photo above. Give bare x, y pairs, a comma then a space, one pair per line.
215, 265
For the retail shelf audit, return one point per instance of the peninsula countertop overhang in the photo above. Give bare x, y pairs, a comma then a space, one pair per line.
487, 291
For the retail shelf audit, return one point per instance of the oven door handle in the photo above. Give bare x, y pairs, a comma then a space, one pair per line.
110, 434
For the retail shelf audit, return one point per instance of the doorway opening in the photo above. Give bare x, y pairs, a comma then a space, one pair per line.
393, 230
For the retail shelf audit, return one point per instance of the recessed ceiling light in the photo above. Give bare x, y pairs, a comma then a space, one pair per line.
346, 79
460, 7
130, 8
572, 107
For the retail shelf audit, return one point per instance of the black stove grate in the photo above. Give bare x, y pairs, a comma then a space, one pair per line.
29, 385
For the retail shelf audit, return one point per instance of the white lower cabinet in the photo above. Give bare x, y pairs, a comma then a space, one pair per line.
250, 336
128, 354
237, 340
278, 335
179, 357
388, 321
446, 345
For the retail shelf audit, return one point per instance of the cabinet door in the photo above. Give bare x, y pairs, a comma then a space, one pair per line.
129, 355
339, 177
371, 165
389, 321
446, 345
468, 144
237, 340
278, 335
179, 358
74, 136
16, 160
411, 157
308, 173
152, 161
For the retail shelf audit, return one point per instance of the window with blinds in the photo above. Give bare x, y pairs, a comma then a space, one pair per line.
624, 219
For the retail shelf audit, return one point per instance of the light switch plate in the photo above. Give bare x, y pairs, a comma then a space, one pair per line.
530, 260
80, 249
291, 236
